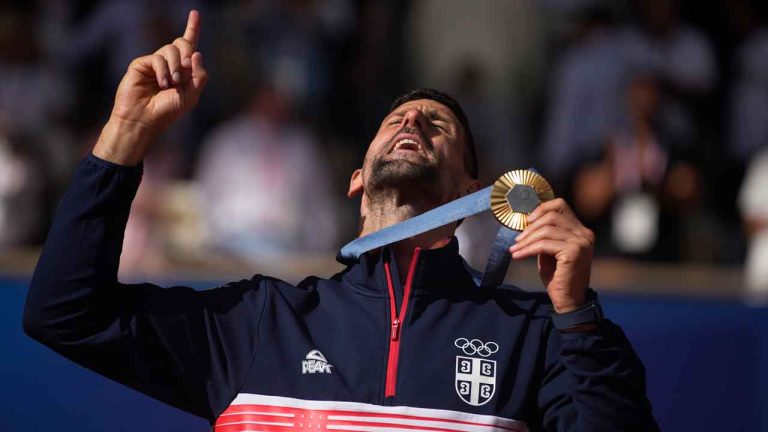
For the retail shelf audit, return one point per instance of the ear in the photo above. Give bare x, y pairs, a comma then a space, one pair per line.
355, 184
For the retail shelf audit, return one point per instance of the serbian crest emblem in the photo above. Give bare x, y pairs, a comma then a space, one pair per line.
475, 372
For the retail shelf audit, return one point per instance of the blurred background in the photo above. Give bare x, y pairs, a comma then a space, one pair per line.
649, 116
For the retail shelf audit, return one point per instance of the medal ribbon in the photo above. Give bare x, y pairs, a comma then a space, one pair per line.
472, 204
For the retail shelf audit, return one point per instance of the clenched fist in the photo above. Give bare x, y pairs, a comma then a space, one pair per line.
155, 91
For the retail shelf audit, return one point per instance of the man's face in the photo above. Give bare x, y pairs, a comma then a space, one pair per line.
419, 146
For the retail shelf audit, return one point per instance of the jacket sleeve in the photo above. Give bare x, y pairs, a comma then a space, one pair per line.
593, 381
190, 349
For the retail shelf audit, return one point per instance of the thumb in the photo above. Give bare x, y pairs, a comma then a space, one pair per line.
198, 79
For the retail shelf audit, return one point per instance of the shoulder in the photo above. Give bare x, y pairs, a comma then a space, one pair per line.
258, 286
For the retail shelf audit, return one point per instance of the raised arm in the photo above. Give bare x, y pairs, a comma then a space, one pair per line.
187, 348
156, 90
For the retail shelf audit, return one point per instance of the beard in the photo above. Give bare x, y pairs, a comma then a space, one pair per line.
398, 174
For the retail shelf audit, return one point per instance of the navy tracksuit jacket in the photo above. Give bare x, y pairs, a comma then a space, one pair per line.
358, 351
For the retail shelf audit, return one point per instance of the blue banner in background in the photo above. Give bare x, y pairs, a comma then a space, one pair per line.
706, 365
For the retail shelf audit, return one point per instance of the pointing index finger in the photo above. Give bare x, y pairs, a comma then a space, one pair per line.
192, 32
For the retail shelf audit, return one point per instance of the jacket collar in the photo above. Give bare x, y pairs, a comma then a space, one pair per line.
437, 269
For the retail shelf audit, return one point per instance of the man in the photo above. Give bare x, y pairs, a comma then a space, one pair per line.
375, 347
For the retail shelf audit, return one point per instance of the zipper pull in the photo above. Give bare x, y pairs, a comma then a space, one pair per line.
395, 329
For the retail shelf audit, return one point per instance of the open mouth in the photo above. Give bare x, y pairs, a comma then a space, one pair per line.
408, 143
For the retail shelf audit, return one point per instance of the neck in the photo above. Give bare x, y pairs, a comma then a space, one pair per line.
385, 211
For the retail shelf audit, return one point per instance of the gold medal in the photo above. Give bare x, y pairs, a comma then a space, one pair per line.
516, 194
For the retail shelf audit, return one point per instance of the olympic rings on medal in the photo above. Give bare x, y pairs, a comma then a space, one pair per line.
476, 346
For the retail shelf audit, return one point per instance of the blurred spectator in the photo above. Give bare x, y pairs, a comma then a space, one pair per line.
34, 99
681, 57
31, 93
93, 43
498, 147
115, 28
264, 182
144, 240
58, 80
286, 42
748, 128
493, 48
120, 30
147, 241
634, 196
499, 36
21, 187
753, 203
586, 100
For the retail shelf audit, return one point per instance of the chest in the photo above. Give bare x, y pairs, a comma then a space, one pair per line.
341, 364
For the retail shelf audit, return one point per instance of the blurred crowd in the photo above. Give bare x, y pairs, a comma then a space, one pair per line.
649, 116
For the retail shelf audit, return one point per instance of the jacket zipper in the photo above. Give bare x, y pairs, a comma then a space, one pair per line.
396, 321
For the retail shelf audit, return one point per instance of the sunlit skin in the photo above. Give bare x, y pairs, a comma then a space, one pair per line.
159, 88
444, 147
439, 138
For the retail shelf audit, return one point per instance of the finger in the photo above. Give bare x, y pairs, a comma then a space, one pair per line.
551, 218
548, 232
199, 77
545, 247
199, 74
173, 57
162, 73
151, 67
558, 204
186, 50
557, 212
192, 32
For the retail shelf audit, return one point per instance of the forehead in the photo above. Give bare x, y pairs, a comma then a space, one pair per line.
427, 106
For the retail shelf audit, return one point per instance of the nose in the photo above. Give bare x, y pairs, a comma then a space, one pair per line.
414, 118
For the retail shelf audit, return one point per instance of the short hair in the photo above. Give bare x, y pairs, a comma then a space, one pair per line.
470, 155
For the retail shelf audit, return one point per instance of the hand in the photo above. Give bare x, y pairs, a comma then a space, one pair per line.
564, 248
155, 91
